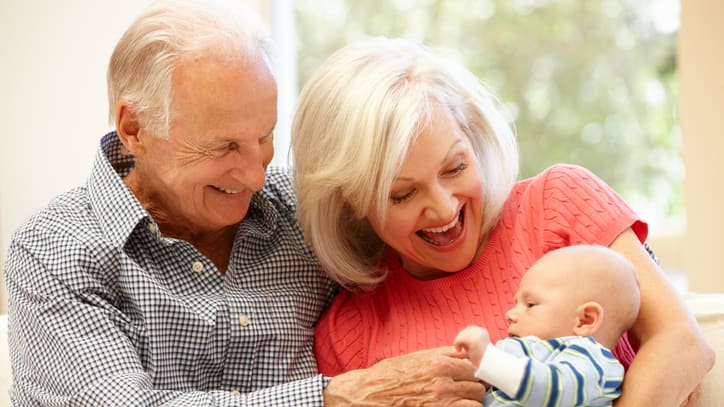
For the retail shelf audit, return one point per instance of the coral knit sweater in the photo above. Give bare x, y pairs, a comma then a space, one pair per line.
563, 205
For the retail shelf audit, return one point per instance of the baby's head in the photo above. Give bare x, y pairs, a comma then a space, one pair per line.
581, 290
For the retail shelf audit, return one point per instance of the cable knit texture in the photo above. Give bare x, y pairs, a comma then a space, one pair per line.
564, 205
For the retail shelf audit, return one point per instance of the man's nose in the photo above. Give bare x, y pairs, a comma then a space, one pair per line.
251, 166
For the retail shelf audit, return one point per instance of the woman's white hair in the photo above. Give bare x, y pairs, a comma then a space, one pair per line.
167, 34
356, 118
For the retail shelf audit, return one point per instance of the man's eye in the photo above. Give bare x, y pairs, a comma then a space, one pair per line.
269, 137
221, 151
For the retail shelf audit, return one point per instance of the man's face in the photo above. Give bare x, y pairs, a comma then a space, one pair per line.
220, 141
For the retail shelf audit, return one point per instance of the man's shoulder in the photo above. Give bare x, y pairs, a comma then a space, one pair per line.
64, 215
65, 206
278, 187
61, 238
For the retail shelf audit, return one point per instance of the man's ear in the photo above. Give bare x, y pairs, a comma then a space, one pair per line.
589, 318
128, 128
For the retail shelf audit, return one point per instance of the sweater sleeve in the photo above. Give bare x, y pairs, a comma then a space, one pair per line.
339, 341
580, 208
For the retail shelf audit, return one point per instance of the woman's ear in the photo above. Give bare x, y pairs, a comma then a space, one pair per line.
128, 128
589, 318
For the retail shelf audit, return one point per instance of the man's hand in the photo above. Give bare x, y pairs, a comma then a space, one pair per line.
433, 377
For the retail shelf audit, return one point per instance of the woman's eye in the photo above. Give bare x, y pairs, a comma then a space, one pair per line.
459, 168
531, 305
398, 199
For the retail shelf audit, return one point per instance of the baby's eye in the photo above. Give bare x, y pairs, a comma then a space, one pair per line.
531, 304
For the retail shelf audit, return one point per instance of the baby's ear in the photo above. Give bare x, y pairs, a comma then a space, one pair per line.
589, 318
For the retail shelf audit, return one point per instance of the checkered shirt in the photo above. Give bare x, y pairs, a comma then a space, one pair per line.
104, 310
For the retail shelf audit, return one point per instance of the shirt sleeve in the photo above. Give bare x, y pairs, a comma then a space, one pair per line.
67, 346
561, 373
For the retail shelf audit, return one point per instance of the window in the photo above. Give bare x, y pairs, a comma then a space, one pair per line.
589, 83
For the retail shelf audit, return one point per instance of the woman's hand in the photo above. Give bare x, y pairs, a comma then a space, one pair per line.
440, 376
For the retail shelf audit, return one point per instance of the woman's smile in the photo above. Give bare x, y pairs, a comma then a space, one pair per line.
444, 235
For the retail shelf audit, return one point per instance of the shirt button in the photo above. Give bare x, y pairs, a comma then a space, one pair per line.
197, 266
243, 320
152, 228
236, 393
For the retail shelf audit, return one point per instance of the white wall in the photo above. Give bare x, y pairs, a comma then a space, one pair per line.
701, 65
52, 97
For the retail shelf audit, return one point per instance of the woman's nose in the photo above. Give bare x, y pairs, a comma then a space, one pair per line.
442, 204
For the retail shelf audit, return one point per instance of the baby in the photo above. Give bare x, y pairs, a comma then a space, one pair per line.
571, 308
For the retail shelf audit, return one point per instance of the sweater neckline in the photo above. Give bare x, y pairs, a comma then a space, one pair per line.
397, 272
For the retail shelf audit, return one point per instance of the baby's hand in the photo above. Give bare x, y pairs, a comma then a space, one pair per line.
473, 340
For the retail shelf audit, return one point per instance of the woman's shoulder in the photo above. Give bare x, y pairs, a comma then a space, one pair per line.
558, 172
558, 180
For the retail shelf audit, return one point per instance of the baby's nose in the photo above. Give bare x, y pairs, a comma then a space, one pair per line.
510, 315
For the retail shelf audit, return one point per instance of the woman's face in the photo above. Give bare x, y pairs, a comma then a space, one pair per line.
434, 214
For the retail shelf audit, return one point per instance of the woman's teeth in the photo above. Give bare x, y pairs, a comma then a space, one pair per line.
444, 235
442, 228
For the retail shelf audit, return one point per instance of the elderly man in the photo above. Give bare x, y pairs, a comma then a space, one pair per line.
178, 273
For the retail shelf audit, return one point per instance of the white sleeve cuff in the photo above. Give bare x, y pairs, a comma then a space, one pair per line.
502, 370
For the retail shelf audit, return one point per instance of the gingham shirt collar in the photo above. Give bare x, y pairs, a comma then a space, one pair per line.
119, 217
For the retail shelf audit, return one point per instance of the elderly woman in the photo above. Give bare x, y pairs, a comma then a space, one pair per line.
406, 175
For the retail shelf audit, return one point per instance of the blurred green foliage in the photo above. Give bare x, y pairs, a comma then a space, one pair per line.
585, 82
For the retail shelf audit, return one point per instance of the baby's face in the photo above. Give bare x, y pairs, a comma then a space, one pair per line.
544, 306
